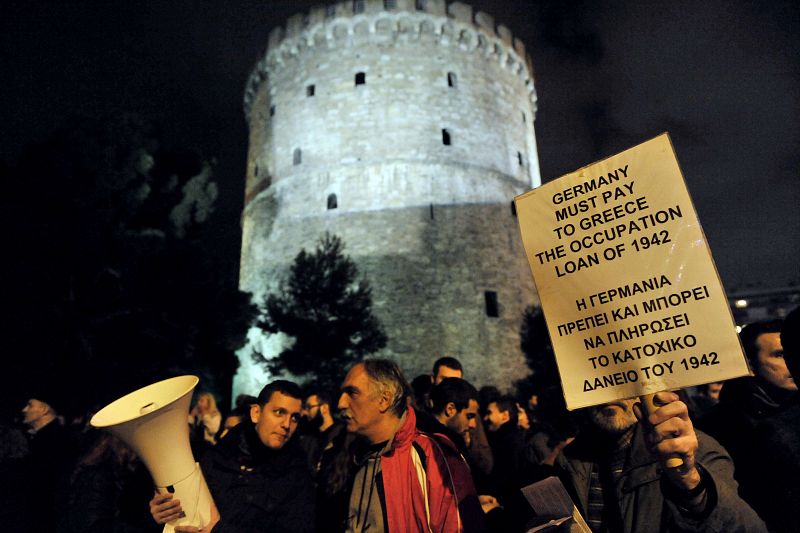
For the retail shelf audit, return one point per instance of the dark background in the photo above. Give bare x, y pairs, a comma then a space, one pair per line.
720, 76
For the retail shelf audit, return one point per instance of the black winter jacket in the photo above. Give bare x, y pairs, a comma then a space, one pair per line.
257, 488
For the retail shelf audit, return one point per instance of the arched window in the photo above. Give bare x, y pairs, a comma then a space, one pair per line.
361, 78
332, 203
445, 137
297, 157
452, 80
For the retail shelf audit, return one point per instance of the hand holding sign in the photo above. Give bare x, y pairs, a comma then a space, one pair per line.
671, 437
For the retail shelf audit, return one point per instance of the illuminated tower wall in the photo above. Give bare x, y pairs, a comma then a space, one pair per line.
405, 128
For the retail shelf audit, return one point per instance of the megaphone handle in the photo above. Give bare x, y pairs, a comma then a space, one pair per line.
196, 506
649, 407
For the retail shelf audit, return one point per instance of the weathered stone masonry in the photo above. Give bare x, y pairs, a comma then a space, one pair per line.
406, 128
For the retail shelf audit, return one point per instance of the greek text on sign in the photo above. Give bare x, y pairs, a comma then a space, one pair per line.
632, 298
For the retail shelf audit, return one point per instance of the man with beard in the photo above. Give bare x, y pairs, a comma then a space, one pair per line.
320, 428
326, 444
616, 471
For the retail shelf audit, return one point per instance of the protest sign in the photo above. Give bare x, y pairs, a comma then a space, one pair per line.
629, 290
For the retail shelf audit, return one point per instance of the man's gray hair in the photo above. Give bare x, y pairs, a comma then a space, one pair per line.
386, 376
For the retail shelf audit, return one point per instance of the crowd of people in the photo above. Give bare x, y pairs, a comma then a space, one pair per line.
438, 455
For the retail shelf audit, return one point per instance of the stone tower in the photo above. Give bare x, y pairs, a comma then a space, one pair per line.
406, 128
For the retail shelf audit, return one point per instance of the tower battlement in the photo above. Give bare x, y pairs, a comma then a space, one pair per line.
353, 23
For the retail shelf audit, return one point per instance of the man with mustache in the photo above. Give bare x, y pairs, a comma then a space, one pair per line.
407, 481
259, 479
617, 472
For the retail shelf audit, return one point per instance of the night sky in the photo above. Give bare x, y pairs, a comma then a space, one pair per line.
720, 76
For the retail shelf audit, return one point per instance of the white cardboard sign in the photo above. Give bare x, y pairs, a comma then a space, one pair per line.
631, 296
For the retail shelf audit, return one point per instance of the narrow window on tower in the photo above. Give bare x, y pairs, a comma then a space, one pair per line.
513, 209
491, 304
519, 158
272, 110
523, 117
451, 80
297, 158
332, 203
330, 11
420, 5
255, 170
310, 90
445, 137
358, 6
361, 78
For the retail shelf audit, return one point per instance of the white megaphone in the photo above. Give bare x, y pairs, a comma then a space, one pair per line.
154, 422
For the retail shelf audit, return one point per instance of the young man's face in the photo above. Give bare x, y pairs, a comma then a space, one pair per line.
359, 405
276, 420
446, 372
771, 364
494, 417
465, 420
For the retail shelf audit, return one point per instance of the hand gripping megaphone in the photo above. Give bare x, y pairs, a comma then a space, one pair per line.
153, 421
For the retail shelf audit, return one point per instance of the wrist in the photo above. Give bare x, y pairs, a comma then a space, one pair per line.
698, 500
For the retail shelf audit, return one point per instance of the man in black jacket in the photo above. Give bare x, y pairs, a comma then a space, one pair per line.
259, 480
507, 442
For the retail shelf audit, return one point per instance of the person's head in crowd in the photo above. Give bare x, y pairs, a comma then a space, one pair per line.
374, 398
447, 367
38, 412
244, 401
108, 447
317, 410
613, 418
528, 391
501, 411
486, 395
206, 404
276, 413
762, 346
711, 390
234, 418
454, 403
422, 385
790, 340
523, 420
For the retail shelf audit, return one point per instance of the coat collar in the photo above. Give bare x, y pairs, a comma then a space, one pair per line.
405, 434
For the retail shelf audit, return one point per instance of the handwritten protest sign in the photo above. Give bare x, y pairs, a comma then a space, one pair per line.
630, 293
